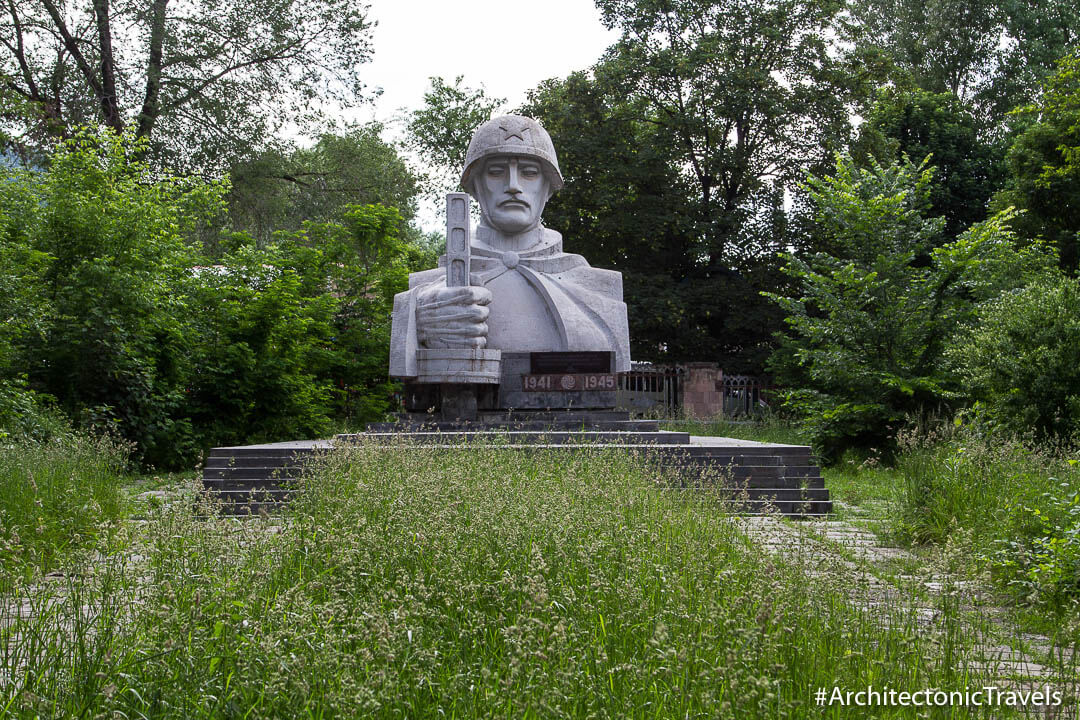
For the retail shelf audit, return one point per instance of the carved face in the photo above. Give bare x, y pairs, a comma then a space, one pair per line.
512, 192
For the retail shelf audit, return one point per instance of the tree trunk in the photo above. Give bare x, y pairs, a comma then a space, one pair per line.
110, 106
151, 108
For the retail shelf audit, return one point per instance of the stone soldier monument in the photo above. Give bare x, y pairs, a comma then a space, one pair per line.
508, 320
511, 338
514, 339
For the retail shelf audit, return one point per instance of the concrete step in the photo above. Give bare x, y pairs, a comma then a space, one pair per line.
255, 478
253, 495
492, 417
242, 505
531, 425
253, 461
241, 473
218, 454
519, 437
250, 483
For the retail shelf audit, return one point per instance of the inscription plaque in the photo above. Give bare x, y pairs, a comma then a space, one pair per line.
561, 363
568, 382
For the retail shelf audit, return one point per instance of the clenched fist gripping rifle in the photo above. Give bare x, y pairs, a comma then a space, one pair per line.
459, 370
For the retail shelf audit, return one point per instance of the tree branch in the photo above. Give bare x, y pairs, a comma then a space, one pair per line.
110, 106
72, 47
19, 51
225, 71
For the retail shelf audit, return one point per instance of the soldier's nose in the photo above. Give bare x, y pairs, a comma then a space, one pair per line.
513, 185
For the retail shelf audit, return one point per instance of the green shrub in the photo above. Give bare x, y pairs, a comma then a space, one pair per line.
1039, 555
256, 355
1021, 360
108, 233
26, 415
119, 321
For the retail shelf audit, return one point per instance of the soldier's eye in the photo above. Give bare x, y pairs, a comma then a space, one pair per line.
530, 172
496, 170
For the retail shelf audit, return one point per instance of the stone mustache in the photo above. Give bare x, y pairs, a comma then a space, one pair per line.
523, 293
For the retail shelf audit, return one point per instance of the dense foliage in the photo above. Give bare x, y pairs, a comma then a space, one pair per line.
1044, 165
281, 190
1021, 361
870, 322
968, 166
183, 312
124, 324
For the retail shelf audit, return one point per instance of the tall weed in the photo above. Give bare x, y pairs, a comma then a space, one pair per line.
432, 582
1020, 503
54, 495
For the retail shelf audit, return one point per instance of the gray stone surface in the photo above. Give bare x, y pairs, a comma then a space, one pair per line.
517, 365
525, 293
458, 365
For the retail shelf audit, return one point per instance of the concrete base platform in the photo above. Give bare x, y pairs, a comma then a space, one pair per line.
758, 477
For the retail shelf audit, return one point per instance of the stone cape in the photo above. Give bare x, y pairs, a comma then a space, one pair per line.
542, 300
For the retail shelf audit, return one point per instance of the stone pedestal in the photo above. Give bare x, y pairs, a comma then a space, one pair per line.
460, 374
568, 392
458, 365
518, 381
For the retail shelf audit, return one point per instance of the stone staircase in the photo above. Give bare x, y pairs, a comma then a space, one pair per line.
753, 477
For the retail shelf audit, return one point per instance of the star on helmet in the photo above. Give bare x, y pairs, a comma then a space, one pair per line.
515, 127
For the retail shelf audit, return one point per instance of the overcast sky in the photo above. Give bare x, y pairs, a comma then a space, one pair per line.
508, 47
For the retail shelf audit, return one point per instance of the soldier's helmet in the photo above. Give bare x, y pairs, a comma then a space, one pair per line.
512, 135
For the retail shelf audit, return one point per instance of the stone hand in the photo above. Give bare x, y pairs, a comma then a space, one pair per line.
452, 317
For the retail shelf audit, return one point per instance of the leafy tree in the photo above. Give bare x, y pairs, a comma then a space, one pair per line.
256, 338
24, 306
869, 324
366, 260
1037, 35
746, 92
939, 46
1044, 166
439, 132
1021, 360
968, 168
993, 54
114, 351
286, 337
280, 191
628, 206
130, 329
203, 81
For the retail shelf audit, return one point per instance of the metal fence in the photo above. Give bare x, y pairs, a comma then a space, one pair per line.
744, 395
648, 387
660, 388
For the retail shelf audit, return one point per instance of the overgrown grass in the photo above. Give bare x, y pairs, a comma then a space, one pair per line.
55, 494
1019, 503
763, 428
425, 582
1016, 503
